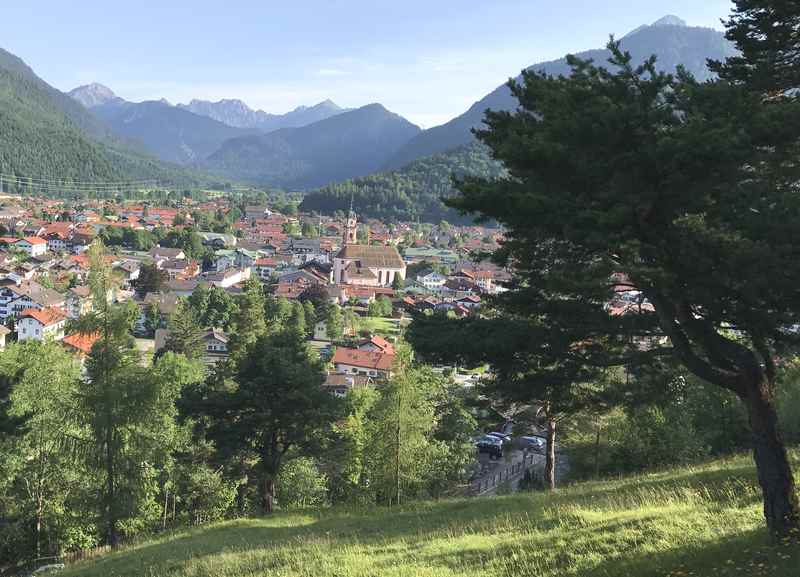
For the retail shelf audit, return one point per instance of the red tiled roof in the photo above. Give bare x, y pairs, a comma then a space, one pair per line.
382, 344
34, 240
48, 316
82, 342
363, 359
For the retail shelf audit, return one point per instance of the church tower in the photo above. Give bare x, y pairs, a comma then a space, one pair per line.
351, 227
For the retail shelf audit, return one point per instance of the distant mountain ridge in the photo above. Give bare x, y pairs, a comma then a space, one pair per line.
234, 112
350, 144
669, 38
172, 134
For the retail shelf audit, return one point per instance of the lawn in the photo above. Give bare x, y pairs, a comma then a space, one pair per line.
378, 325
698, 521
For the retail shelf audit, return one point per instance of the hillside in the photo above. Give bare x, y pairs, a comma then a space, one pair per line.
669, 38
236, 113
47, 134
704, 520
344, 146
411, 193
42, 133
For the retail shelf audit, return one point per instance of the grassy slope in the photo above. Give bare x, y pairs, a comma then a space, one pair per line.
700, 521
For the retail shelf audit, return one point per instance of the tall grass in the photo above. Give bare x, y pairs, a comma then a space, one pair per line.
702, 520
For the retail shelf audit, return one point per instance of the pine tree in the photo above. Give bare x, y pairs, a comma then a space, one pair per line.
626, 178
335, 322
249, 323
185, 334
767, 34
278, 405
401, 424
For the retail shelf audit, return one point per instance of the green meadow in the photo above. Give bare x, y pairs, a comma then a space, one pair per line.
703, 520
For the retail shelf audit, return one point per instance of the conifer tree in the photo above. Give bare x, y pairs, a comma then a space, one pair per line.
767, 34
684, 193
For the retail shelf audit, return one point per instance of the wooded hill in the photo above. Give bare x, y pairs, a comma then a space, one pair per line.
46, 134
412, 193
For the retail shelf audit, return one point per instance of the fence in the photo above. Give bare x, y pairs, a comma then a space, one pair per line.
511, 472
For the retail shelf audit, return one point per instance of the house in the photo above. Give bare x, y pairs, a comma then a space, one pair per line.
469, 301
33, 245
14, 298
229, 277
3, 334
432, 281
305, 250
57, 235
180, 268
161, 254
265, 267
217, 240
215, 343
358, 362
224, 259
80, 344
338, 384
245, 258
78, 301
166, 304
377, 344
129, 270
321, 331
39, 324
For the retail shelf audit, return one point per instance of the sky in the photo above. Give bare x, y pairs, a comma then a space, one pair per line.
427, 60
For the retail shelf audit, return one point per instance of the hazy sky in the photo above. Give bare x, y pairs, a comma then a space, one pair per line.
428, 60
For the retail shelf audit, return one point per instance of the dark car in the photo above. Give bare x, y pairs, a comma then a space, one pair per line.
491, 445
535, 444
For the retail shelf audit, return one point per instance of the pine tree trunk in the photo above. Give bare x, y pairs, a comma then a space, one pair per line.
39, 516
597, 449
111, 517
550, 460
268, 495
781, 509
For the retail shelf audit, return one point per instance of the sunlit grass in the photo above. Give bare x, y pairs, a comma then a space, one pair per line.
703, 520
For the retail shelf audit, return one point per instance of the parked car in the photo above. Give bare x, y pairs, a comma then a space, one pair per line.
502, 436
491, 445
536, 444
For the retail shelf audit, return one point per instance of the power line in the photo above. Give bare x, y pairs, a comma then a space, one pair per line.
50, 180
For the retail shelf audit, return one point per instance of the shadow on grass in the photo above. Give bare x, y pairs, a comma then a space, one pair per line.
749, 553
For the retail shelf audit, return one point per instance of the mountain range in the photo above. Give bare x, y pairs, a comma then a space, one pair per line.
94, 134
236, 113
669, 38
307, 147
353, 143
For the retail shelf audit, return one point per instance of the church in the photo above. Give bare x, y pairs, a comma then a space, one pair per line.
363, 264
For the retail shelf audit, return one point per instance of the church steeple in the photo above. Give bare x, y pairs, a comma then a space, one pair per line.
351, 227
